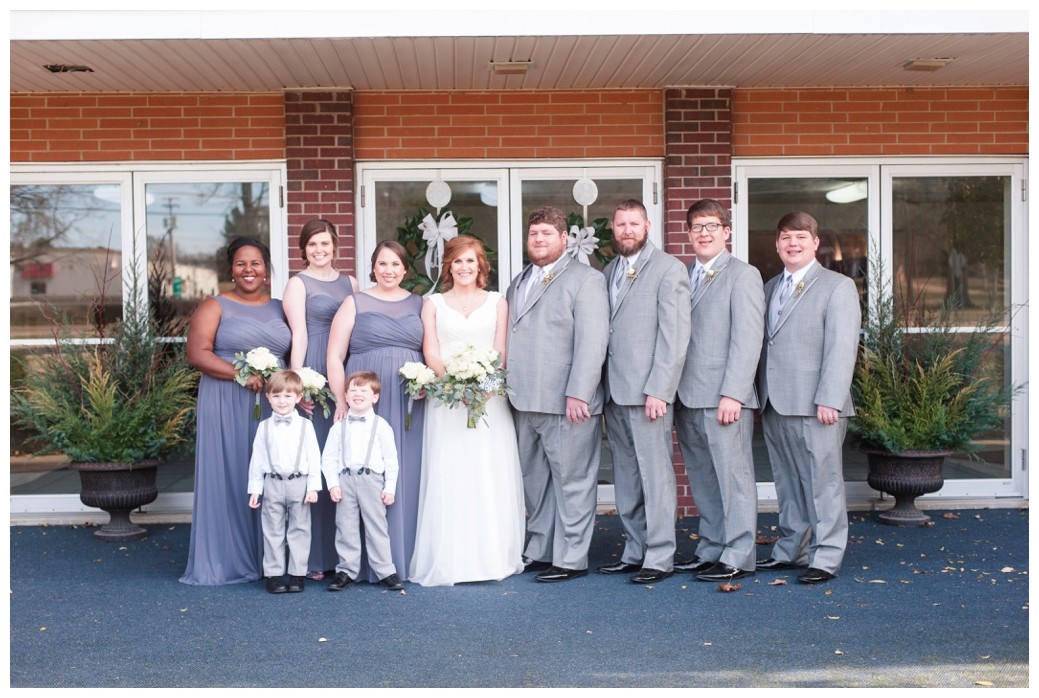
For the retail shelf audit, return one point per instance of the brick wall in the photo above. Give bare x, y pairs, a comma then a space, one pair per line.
697, 159
319, 153
881, 121
138, 126
513, 124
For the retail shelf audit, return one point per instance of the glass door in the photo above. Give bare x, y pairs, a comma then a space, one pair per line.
493, 202
942, 229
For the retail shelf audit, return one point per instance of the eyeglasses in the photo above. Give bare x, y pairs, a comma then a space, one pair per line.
709, 227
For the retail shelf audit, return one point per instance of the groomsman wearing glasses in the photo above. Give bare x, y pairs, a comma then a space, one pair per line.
716, 396
649, 335
558, 324
804, 384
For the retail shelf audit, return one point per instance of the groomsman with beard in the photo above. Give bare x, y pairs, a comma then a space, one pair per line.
558, 324
649, 336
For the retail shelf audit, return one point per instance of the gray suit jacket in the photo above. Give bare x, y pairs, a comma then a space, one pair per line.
728, 323
649, 330
557, 340
809, 358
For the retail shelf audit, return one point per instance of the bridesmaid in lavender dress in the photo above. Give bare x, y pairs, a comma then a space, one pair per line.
226, 546
311, 300
382, 328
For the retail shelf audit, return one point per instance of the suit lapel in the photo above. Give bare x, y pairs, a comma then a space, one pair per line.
799, 292
560, 267
643, 260
719, 265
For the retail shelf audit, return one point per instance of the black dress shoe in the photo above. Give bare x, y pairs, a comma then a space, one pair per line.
618, 568
392, 582
648, 575
720, 572
772, 564
694, 565
535, 565
295, 584
340, 581
559, 574
276, 586
813, 575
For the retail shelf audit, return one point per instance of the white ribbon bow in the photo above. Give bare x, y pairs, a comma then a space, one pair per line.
436, 234
582, 243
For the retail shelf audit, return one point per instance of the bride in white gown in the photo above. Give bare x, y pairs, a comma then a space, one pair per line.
470, 512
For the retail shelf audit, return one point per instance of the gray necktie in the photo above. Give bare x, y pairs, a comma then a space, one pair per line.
697, 278
537, 274
618, 278
780, 299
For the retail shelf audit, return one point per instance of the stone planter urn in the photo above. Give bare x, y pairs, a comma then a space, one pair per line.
905, 476
118, 488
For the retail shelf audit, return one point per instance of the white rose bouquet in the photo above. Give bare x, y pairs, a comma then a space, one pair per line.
315, 389
417, 377
472, 376
256, 362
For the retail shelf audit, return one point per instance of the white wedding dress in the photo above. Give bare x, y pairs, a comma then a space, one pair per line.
470, 513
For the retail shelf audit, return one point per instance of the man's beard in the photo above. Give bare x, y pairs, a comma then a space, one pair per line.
627, 249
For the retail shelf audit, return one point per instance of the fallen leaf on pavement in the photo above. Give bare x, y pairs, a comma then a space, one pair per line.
777, 583
729, 587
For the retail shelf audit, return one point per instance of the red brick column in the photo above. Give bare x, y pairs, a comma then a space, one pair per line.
319, 150
697, 157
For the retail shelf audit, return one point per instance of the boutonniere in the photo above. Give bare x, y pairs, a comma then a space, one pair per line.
632, 273
799, 289
710, 275
548, 278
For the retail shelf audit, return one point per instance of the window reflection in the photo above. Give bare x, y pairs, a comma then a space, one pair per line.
402, 205
66, 256
951, 241
190, 225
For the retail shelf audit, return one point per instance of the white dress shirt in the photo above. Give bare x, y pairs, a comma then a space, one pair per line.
280, 458
358, 435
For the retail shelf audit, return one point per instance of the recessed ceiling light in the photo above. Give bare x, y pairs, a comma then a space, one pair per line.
67, 68
926, 65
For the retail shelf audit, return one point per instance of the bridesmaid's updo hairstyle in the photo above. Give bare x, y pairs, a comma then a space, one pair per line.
312, 228
394, 247
453, 249
240, 242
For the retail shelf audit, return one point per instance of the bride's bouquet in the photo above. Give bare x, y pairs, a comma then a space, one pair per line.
315, 389
256, 362
417, 379
471, 377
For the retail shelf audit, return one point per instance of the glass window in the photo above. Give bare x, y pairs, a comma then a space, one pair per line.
951, 241
839, 205
401, 206
66, 253
560, 193
190, 225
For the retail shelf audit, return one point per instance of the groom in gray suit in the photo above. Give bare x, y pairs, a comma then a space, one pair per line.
558, 324
716, 396
649, 335
804, 384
